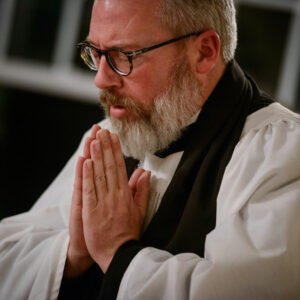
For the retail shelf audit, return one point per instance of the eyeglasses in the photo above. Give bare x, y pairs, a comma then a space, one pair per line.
119, 60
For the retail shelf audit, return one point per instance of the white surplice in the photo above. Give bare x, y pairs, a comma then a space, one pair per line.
253, 253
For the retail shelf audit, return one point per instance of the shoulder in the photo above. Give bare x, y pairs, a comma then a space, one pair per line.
265, 163
270, 115
269, 133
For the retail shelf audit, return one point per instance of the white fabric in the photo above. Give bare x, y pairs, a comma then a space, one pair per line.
254, 251
162, 171
260, 189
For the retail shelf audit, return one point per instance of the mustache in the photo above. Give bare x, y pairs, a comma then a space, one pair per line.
107, 99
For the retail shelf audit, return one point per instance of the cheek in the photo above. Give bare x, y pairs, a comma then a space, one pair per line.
150, 83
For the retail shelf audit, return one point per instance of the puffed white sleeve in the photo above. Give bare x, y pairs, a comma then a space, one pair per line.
33, 245
254, 250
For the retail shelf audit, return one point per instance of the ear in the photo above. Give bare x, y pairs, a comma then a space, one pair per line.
205, 52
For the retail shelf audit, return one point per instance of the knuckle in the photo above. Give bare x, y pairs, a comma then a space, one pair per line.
77, 188
110, 168
88, 191
120, 164
100, 178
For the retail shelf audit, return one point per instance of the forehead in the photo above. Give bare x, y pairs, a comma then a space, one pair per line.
117, 21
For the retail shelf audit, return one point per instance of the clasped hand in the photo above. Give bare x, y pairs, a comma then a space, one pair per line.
106, 209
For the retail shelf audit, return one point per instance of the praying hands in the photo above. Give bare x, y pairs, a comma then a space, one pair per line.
106, 209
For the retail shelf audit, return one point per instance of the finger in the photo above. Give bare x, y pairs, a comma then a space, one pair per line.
76, 205
109, 164
87, 145
77, 191
86, 150
119, 160
142, 192
94, 131
133, 180
99, 175
89, 199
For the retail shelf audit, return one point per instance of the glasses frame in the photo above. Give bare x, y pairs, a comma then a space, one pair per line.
129, 54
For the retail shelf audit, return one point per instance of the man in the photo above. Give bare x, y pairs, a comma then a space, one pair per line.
217, 217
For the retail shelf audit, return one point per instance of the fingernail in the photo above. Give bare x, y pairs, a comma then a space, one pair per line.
97, 145
104, 133
89, 164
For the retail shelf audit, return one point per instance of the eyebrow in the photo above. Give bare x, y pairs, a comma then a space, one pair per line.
117, 46
88, 40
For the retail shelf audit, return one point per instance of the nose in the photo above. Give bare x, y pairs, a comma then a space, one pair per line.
106, 77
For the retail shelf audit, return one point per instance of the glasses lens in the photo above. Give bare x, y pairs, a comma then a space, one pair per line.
90, 57
120, 62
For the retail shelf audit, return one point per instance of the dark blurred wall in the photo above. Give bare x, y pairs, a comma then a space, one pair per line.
38, 135
262, 37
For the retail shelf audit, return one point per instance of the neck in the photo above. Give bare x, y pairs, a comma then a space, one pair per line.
212, 79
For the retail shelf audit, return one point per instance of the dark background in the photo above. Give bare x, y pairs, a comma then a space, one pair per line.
40, 131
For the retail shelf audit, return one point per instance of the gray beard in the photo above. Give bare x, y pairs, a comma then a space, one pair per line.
165, 123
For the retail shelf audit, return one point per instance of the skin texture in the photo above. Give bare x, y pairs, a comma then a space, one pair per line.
136, 28
100, 185
106, 209
78, 258
107, 196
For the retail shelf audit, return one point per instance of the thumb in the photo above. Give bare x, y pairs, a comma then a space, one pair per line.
142, 192
134, 179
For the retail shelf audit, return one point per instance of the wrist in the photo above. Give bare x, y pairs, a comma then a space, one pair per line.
105, 258
104, 261
76, 265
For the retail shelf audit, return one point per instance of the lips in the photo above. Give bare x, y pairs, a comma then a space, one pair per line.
118, 112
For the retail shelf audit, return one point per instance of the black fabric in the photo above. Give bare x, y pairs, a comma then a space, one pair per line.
84, 287
188, 209
131, 165
180, 144
117, 268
